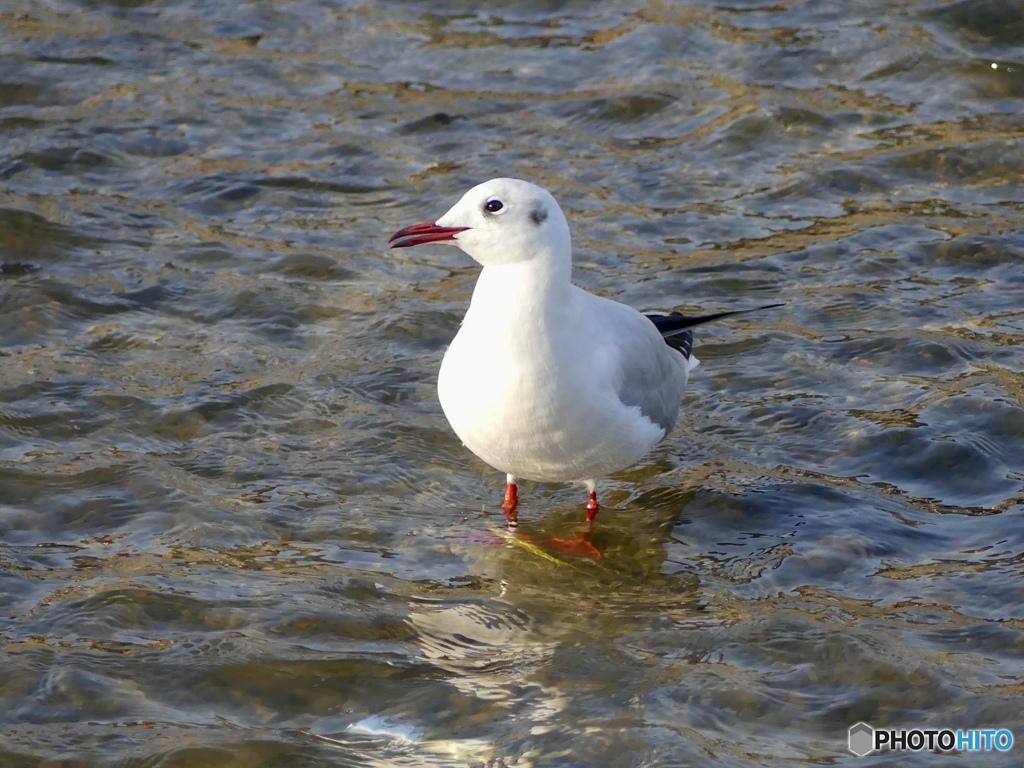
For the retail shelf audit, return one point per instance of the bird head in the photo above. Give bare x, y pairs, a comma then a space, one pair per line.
502, 221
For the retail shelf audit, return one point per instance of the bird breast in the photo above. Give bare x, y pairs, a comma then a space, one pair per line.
527, 407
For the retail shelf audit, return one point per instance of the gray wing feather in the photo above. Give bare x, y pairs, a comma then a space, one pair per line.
653, 380
655, 366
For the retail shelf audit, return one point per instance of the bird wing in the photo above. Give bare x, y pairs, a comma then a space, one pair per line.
646, 374
675, 327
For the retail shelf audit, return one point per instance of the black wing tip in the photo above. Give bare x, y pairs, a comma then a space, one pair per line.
717, 315
674, 323
682, 342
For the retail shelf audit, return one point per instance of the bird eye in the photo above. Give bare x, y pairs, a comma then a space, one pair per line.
493, 206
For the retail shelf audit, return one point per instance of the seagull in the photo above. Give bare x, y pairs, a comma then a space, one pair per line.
545, 381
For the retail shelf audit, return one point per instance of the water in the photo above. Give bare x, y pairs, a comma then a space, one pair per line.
234, 527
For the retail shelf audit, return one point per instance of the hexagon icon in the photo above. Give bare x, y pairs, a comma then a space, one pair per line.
862, 739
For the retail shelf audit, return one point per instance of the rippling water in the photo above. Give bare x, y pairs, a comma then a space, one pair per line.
234, 527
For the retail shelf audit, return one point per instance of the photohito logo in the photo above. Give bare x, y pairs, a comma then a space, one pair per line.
864, 739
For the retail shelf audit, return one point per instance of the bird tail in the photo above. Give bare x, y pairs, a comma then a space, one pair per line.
676, 323
675, 328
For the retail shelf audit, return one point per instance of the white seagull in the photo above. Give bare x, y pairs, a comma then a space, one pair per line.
545, 381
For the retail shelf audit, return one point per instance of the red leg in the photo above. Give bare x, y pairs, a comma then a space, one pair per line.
510, 503
592, 507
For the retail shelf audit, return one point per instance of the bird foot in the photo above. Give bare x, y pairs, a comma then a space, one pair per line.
578, 547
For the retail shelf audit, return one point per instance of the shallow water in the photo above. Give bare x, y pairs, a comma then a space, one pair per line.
234, 527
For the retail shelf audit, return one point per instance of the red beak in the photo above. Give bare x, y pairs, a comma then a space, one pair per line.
427, 232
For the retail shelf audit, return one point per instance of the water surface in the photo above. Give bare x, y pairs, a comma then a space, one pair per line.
235, 529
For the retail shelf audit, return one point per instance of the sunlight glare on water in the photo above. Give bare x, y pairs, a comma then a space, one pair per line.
235, 529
